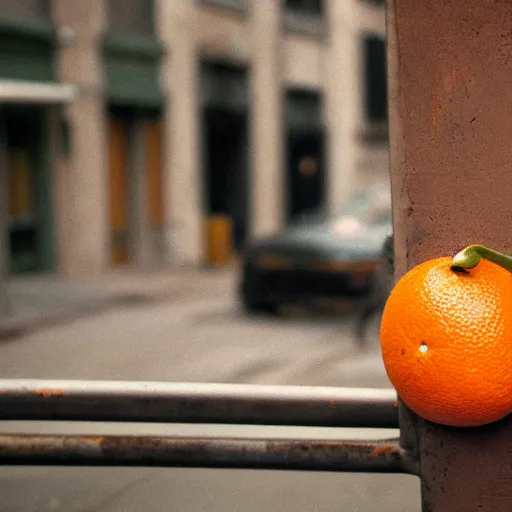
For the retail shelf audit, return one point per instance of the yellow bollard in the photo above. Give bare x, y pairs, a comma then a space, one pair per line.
219, 247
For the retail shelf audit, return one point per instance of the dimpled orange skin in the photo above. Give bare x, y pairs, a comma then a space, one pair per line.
463, 374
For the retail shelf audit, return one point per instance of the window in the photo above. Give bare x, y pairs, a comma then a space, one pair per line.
303, 109
25, 8
315, 7
238, 5
131, 17
223, 85
304, 17
375, 79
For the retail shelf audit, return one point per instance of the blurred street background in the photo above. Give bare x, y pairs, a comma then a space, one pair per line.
145, 147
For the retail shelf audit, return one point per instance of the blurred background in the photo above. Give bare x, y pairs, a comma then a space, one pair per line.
143, 121
194, 190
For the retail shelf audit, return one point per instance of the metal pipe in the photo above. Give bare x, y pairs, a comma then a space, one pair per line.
4, 217
300, 455
197, 403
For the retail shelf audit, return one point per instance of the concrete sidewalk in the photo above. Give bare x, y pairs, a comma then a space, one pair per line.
38, 301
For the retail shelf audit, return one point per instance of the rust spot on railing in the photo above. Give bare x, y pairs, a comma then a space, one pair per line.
48, 392
384, 449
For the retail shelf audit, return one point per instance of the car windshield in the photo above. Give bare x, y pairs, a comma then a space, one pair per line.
371, 207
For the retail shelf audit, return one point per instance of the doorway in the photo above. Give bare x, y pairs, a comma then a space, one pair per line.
226, 176
118, 190
306, 174
224, 120
305, 153
30, 222
136, 201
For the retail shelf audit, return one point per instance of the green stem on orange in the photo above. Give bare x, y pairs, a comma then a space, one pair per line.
470, 257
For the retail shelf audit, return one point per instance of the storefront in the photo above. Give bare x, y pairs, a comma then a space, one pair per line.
135, 101
29, 96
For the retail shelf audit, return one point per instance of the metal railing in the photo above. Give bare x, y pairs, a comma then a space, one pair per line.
201, 403
197, 403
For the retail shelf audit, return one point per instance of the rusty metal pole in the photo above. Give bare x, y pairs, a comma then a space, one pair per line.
4, 231
450, 94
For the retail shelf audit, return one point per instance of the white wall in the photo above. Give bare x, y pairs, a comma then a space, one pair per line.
83, 227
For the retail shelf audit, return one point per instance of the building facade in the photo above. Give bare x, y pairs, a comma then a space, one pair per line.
148, 118
31, 103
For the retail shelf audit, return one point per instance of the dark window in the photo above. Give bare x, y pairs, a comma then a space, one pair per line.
131, 16
25, 8
375, 79
239, 5
303, 109
223, 85
305, 6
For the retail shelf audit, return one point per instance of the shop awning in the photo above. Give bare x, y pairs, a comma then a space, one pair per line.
14, 91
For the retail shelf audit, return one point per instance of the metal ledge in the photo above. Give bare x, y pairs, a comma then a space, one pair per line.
197, 403
12, 91
273, 454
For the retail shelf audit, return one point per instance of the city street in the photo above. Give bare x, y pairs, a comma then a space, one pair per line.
199, 337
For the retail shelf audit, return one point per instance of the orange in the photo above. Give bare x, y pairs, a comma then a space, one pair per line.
446, 339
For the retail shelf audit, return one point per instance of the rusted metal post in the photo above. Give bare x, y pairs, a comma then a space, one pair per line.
4, 227
450, 76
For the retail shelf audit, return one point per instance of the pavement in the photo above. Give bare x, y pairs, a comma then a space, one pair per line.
38, 301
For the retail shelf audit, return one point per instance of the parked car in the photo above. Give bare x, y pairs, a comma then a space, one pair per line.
320, 256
